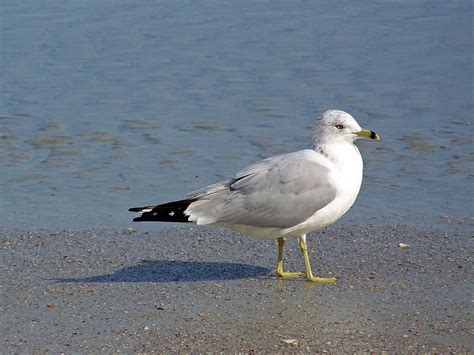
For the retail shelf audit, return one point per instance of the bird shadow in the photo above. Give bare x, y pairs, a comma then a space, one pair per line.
176, 271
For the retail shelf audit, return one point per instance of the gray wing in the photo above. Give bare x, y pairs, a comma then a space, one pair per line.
278, 192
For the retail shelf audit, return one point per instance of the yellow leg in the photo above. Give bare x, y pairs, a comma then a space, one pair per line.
280, 272
309, 274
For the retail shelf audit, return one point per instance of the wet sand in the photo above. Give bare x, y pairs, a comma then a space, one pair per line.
207, 289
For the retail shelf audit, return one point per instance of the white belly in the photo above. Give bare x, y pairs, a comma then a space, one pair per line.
348, 177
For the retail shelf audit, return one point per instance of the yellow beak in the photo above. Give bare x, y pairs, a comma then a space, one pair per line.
365, 133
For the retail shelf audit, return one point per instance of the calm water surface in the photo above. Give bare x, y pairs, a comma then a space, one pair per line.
106, 105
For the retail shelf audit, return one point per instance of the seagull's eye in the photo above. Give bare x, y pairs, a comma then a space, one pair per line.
339, 126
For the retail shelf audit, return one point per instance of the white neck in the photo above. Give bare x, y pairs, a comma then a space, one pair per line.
333, 150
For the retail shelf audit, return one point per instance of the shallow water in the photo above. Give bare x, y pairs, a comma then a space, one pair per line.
108, 105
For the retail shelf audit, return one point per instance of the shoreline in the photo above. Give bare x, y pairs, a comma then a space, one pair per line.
209, 289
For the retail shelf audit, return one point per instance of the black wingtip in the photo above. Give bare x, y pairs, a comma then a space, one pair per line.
166, 212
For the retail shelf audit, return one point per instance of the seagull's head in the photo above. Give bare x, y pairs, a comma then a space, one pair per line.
339, 126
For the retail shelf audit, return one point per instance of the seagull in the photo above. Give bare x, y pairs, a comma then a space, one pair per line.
286, 195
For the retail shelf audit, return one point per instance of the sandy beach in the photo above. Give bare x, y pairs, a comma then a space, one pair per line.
108, 105
205, 289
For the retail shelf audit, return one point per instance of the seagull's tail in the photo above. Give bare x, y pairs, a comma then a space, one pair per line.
167, 212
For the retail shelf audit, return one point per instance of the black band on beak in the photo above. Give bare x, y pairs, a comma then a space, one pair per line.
373, 135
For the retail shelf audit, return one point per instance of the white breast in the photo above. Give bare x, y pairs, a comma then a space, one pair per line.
347, 168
